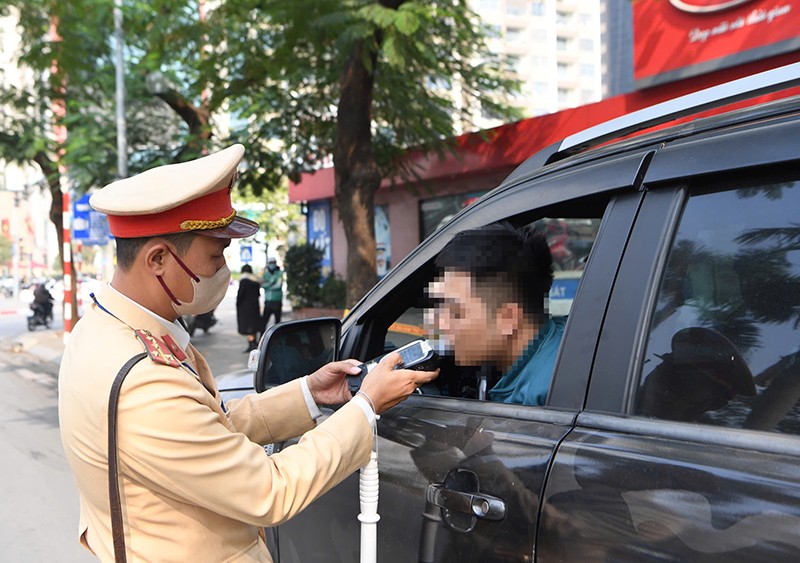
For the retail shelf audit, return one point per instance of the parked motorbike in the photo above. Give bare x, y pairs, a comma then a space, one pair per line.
41, 316
203, 322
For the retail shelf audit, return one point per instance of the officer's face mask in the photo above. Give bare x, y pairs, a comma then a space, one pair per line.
208, 291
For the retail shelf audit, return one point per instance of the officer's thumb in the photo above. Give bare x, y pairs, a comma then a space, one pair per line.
392, 360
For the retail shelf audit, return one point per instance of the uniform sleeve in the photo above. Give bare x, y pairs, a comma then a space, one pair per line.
172, 441
275, 415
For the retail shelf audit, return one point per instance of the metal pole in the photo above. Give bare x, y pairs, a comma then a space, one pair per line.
15, 244
122, 139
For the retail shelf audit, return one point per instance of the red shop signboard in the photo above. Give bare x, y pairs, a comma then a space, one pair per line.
675, 39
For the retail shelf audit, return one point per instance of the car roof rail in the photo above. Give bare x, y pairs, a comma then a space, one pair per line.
715, 96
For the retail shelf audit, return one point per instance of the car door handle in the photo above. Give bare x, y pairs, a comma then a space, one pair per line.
481, 505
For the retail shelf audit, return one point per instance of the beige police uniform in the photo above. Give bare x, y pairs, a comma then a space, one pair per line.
195, 483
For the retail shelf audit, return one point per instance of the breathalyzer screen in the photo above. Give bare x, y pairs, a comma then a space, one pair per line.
411, 354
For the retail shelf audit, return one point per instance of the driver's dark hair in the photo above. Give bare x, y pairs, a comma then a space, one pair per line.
506, 263
128, 248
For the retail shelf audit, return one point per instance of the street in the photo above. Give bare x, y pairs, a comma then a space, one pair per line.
40, 502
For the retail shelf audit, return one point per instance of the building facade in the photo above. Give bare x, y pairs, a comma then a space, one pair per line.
553, 47
24, 198
639, 59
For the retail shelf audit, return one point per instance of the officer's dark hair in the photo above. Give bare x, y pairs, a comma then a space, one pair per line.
128, 248
506, 263
247, 269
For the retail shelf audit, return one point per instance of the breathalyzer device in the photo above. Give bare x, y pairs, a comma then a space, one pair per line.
417, 354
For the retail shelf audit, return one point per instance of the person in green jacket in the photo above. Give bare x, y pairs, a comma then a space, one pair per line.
273, 292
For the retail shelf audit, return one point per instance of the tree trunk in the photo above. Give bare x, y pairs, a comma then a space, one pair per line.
356, 173
50, 172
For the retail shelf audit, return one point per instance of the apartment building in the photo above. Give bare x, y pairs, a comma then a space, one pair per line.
554, 47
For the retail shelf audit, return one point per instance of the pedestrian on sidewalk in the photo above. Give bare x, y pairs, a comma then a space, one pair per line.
273, 292
166, 471
248, 307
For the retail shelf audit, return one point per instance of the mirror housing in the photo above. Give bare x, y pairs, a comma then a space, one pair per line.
293, 349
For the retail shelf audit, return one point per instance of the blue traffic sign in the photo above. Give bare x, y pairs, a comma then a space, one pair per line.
246, 253
89, 226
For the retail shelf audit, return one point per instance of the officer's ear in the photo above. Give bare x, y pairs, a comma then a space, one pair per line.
154, 256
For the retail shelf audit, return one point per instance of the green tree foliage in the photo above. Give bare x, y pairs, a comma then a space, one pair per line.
357, 81
298, 82
302, 265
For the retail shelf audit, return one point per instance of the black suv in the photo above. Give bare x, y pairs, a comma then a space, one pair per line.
671, 430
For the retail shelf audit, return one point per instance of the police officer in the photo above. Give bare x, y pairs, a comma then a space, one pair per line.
193, 480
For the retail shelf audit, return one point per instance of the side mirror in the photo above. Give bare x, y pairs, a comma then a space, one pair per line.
296, 348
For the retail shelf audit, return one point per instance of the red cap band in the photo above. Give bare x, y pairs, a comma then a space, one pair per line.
213, 207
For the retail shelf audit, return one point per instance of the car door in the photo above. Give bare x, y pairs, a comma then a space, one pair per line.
442, 452
690, 441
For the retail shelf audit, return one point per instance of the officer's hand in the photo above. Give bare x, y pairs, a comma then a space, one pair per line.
328, 385
387, 386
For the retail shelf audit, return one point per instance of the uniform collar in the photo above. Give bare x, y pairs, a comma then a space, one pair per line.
174, 328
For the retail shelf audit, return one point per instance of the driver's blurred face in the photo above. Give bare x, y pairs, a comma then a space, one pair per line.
467, 320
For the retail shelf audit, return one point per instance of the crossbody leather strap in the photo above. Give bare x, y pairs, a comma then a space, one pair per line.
117, 527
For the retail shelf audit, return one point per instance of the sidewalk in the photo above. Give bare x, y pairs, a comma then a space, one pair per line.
45, 344
40, 500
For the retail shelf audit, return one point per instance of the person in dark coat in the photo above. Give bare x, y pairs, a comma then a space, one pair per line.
248, 303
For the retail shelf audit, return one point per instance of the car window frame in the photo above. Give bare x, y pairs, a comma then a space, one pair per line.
534, 196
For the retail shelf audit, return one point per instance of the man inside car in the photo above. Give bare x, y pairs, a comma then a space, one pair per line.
492, 291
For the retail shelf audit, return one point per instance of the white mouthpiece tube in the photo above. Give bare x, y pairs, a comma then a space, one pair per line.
368, 495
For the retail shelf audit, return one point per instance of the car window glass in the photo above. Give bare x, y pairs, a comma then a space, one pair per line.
570, 241
723, 341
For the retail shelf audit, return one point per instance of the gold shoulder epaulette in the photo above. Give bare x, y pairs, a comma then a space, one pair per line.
158, 351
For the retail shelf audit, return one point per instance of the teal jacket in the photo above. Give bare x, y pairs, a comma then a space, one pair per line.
528, 380
273, 285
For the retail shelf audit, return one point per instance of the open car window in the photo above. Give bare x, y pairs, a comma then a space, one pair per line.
570, 239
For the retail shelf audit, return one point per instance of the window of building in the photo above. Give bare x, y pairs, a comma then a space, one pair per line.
539, 35
540, 88
564, 95
515, 9
723, 341
538, 8
562, 44
587, 70
586, 45
514, 34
